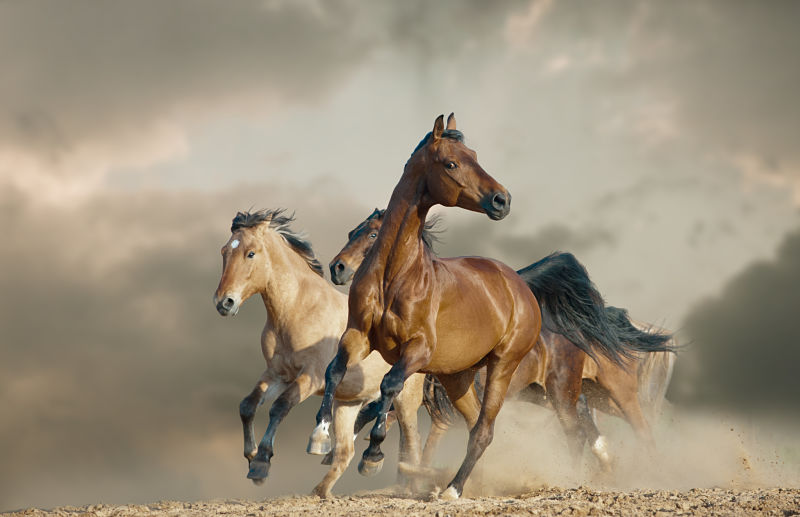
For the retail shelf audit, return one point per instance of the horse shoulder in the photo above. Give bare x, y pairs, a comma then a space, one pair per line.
269, 341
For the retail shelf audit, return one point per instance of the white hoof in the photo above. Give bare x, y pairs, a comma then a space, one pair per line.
449, 494
320, 441
600, 449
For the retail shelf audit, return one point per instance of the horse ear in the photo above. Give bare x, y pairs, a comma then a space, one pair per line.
375, 213
438, 127
451, 121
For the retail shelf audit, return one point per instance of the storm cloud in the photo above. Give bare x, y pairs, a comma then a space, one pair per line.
745, 342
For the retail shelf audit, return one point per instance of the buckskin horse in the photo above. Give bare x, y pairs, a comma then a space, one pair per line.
306, 316
446, 317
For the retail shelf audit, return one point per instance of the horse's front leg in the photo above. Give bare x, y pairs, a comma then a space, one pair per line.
247, 410
415, 355
297, 391
353, 347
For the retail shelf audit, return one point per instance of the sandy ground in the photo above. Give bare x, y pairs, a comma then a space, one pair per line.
547, 501
706, 465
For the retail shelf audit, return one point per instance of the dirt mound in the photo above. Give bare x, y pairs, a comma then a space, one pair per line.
547, 501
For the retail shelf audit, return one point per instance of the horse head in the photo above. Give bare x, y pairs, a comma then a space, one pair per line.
453, 176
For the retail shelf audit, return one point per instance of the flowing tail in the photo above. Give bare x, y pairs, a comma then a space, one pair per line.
644, 338
436, 401
572, 306
654, 376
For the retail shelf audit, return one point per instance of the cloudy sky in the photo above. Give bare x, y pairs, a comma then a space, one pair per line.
655, 140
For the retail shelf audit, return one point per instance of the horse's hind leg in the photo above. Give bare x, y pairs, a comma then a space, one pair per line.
265, 391
623, 390
460, 388
498, 376
438, 429
406, 406
563, 384
597, 441
300, 389
344, 449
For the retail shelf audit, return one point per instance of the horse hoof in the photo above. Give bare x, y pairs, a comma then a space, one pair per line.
328, 459
369, 468
600, 450
321, 492
319, 443
450, 494
259, 470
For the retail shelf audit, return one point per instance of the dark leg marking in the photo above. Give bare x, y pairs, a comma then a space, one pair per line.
367, 414
247, 412
391, 385
259, 466
333, 376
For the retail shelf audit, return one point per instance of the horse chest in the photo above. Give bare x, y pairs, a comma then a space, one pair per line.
280, 356
388, 330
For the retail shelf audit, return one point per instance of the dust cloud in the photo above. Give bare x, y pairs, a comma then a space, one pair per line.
693, 450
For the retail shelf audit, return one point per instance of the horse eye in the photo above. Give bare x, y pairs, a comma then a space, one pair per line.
451, 165
251, 254
373, 235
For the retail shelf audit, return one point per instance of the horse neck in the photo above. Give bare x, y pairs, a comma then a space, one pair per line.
290, 286
400, 242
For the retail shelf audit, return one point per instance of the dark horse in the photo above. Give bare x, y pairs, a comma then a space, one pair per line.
447, 317
628, 391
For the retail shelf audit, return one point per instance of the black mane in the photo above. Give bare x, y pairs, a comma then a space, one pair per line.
452, 134
430, 233
280, 223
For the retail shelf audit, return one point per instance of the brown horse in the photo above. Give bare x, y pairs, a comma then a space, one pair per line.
607, 385
447, 317
306, 316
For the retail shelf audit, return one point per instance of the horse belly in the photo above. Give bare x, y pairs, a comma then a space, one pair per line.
464, 336
531, 370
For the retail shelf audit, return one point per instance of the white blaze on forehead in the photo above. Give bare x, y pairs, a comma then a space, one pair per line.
235, 243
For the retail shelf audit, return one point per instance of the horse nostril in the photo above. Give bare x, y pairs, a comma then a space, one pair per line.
499, 201
339, 267
228, 303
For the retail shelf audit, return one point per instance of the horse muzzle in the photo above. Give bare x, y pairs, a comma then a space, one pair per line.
341, 273
497, 205
227, 306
